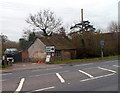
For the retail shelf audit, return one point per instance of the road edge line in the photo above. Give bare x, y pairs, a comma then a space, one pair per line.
45, 88
96, 77
107, 69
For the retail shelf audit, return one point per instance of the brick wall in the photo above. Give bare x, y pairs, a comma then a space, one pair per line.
65, 55
25, 56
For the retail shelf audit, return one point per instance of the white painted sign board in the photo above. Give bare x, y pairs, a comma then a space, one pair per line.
50, 49
48, 58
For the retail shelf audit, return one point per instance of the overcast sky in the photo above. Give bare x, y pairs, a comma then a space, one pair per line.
13, 13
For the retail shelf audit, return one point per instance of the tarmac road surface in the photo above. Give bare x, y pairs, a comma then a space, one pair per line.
94, 76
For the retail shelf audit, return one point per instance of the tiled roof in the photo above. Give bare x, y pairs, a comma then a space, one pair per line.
60, 42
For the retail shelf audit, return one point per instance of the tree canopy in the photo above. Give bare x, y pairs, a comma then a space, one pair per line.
84, 26
45, 21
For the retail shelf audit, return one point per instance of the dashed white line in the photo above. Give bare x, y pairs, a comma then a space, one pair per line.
54, 68
60, 77
107, 69
3, 80
86, 73
46, 69
48, 74
90, 68
116, 66
41, 75
83, 64
20, 85
7, 74
97, 77
45, 88
111, 61
37, 70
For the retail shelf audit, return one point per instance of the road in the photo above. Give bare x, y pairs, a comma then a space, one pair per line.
94, 76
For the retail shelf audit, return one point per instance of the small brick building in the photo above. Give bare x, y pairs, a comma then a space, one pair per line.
64, 50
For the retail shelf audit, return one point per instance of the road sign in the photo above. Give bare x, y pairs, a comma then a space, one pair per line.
50, 49
102, 42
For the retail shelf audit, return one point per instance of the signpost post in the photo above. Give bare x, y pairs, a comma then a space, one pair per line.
102, 44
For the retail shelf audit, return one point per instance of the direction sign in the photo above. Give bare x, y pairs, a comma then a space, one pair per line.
102, 42
50, 49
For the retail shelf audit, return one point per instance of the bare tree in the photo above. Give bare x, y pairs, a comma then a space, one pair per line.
26, 33
113, 27
45, 21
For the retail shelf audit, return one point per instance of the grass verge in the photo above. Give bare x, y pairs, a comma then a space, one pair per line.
3, 67
82, 60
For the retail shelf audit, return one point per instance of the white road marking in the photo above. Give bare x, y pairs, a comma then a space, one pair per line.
64, 72
48, 74
116, 66
86, 73
54, 68
112, 61
41, 75
20, 85
90, 68
97, 77
45, 88
37, 70
83, 64
46, 69
107, 69
60, 77
7, 74
3, 80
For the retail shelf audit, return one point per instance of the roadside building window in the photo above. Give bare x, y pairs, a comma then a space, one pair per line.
58, 53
